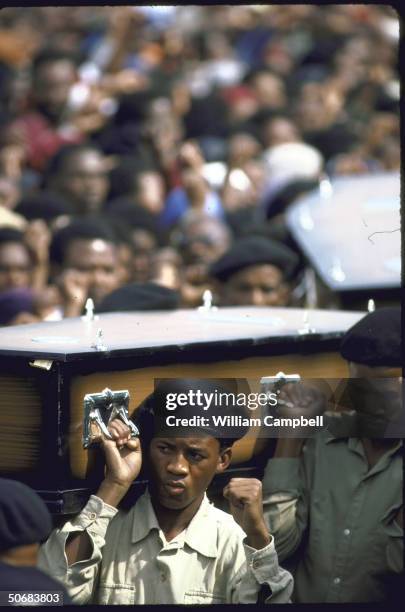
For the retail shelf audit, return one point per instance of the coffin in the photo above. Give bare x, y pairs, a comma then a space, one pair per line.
46, 370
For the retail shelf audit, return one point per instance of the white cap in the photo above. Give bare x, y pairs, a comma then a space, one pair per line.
293, 160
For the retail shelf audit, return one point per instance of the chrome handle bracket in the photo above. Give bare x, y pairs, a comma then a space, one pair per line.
99, 410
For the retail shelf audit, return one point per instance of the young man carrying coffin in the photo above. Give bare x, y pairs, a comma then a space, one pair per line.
172, 546
334, 501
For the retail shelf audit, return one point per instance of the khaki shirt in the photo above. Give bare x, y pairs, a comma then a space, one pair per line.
132, 563
337, 514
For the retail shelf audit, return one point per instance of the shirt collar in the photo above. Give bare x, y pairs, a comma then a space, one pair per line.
352, 442
355, 445
199, 535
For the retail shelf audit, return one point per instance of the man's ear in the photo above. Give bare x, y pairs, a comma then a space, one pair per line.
224, 459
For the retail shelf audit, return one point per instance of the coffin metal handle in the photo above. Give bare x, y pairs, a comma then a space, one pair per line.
278, 380
99, 410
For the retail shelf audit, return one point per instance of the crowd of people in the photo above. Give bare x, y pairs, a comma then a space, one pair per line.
149, 153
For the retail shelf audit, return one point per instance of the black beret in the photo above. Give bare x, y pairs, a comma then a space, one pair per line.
251, 251
278, 203
151, 416
375, 340
223, 403
28, 578
140, 296
24, 518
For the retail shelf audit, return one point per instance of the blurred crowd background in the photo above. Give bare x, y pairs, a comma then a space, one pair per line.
148, 154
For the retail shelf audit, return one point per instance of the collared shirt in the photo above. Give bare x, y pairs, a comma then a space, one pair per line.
132, 563
338, 516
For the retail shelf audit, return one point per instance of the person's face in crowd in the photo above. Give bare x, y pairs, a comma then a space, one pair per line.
84, 181
279, 131
51, 87
204, 241
144, 245
244, 107
258, 285
270, 90
376, 394
278, 57
97, 261
15, 266
318, 105
182, 468
150, 191
242, 148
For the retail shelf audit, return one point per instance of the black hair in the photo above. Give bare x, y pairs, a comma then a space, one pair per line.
79, 229
133, 107
136, 217
47, 56
10, 235
123, 178
57, 161
288, 194
120, 228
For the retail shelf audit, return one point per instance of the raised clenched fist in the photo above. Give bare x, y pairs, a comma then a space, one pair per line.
123, 454
246, 506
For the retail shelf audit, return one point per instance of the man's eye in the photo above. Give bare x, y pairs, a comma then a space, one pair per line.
244, 288
196, 456
163, 449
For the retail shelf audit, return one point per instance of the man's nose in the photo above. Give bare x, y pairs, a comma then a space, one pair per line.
258, 298
178, 465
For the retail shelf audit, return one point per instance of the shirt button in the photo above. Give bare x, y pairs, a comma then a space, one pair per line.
336, 580
256, 564
93, 516
346, 532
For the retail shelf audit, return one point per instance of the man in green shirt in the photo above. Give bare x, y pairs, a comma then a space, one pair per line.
334, 504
